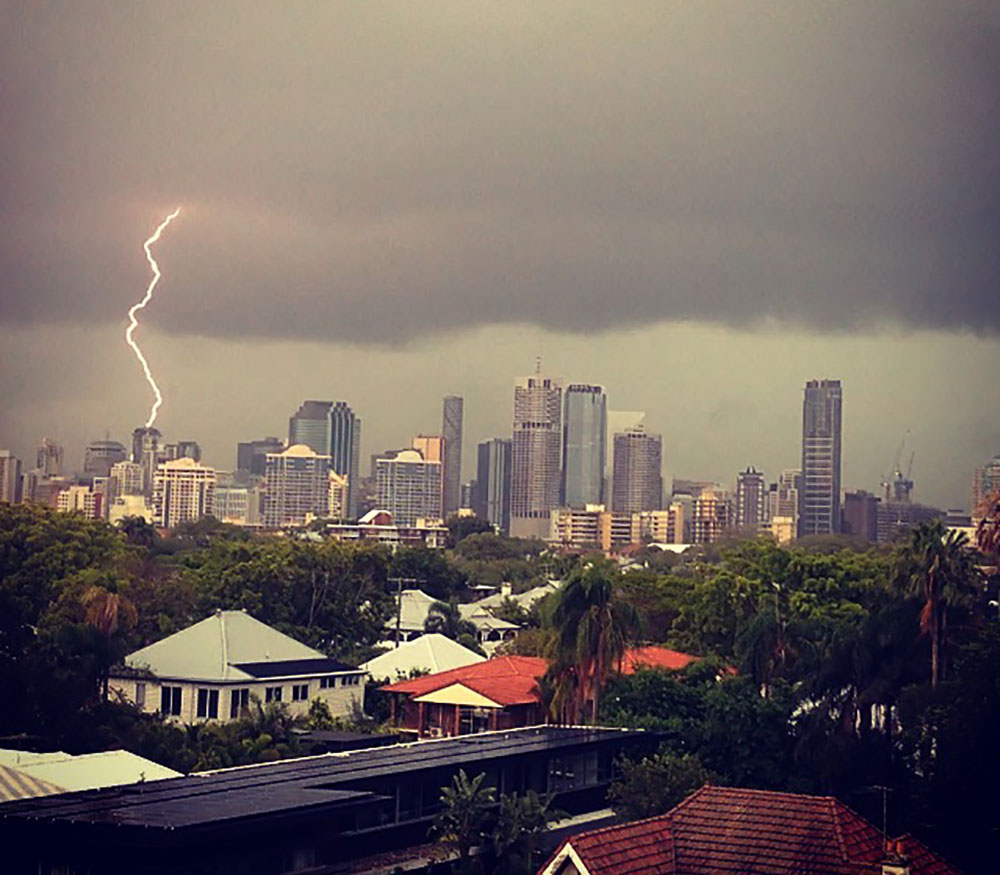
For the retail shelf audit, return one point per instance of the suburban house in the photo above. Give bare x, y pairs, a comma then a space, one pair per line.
724, 829
25, 774
213, 669
499, 693
424, 655
414, 605
338, 812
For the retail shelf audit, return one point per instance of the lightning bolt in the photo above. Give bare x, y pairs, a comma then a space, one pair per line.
134, 323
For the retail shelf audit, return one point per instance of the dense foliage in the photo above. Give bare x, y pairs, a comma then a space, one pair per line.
829, 667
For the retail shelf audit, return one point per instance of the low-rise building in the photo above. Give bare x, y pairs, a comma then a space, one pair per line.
215, 669
377, 525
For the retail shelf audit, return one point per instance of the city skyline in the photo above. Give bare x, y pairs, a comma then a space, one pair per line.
223, 457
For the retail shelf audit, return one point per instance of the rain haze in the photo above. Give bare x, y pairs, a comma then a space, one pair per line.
699, 205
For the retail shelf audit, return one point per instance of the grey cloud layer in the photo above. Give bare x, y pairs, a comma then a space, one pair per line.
379, 172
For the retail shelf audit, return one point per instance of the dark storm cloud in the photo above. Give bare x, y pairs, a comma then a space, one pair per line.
378, 172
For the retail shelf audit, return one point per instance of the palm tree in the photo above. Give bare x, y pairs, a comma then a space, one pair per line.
936, 566
107, 612
447, 619
593, 629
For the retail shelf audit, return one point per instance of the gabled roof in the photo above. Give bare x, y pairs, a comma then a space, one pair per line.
721, 829
433, 652
213, 650
414, 606
506, 680
25, 774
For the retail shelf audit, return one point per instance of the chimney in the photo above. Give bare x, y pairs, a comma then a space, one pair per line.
895, 861
506, 589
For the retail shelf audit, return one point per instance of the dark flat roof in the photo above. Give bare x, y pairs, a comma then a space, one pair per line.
293, 667
296, 787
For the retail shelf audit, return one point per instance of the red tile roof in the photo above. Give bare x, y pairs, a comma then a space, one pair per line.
512, 678
655, 657
720, 829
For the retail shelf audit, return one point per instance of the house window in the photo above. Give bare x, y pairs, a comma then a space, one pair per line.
239, 701
272, 694
300, 692
325, 683
170, 701
140, 695
208, 704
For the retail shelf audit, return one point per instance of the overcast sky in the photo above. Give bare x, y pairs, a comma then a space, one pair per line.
701, 205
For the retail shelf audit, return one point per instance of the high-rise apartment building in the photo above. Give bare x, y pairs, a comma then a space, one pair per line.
183, 492
493, 483
81, 499
338, 496
297, 487
125, 479
101, 455
637, 482
49, 460
252, 455
239, 498
664, 526
10, 477
585, 423
711, 516
819, 498
330, 428
451, 429
535, 454
751, 495
409, 487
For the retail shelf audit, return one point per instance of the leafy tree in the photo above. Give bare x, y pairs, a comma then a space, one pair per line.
460, 527
431, 570
463, 822
654, 785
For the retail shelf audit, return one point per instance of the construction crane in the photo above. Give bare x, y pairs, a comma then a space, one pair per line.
900, 485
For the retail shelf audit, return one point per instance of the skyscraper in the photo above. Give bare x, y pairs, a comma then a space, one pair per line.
750, 498
146, 452
819, 498
451, 429
535, 463
711, 515
409, 487
584, 445
50, 458
101, 455
493, 480
331, 429
10, 477
252, 455
638, 471
310, 425
297, 486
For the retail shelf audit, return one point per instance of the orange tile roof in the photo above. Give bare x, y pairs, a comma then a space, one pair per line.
507, 680
721, 829
655, 657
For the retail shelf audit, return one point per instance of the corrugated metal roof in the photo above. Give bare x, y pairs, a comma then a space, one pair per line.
15, 784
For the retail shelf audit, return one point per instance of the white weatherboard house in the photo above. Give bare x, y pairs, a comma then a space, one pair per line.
211, 670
